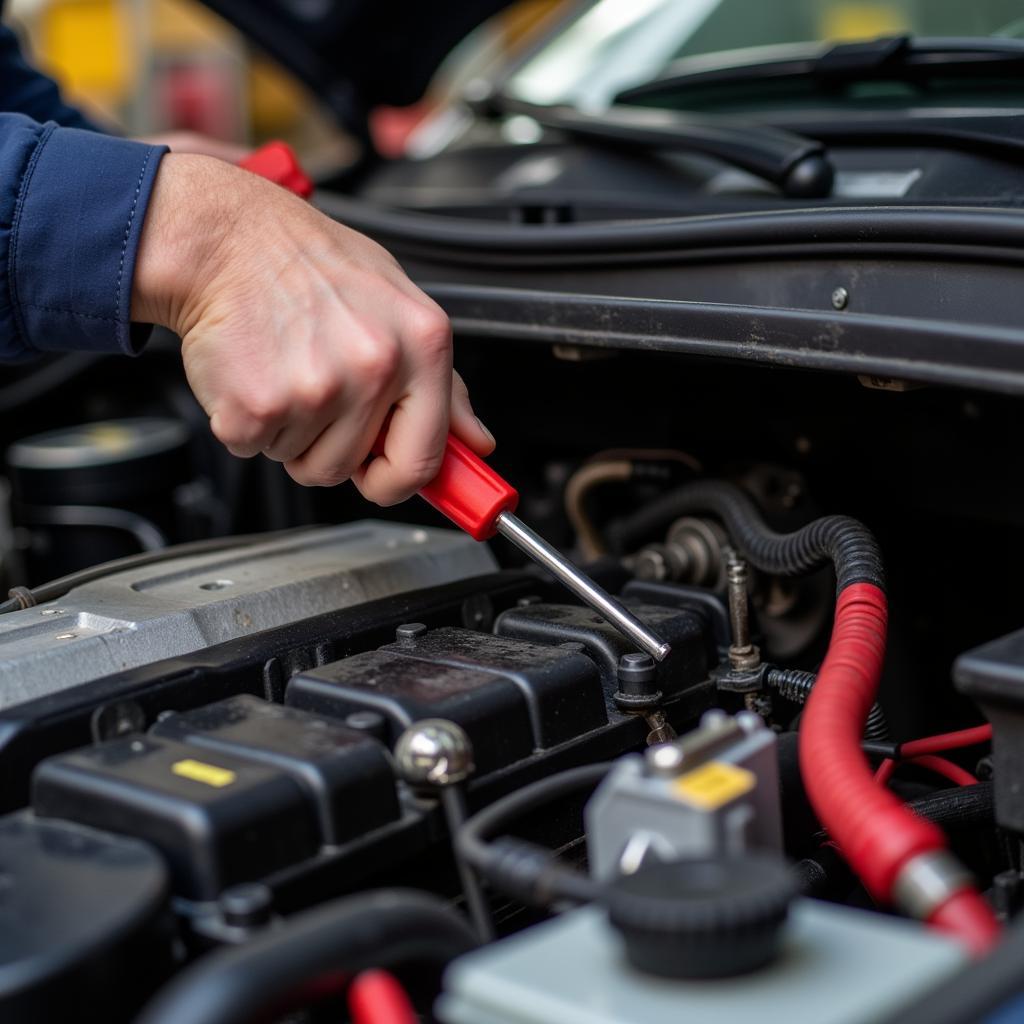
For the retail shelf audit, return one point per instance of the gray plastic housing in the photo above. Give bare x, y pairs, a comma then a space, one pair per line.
837, 966
639, 812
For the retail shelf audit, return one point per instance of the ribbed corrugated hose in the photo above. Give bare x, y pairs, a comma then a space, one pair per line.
885, 844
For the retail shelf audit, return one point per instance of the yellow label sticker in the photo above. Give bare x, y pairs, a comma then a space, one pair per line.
199, 771
714, 784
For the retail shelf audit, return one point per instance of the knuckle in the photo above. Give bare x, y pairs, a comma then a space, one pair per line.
431, 330
238, 435
264, 408
377, 364
317, 393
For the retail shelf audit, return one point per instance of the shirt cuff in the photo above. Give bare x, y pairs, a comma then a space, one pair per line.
74, 239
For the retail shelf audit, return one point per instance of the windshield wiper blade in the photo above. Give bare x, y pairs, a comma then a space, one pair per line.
890, 57
798, 166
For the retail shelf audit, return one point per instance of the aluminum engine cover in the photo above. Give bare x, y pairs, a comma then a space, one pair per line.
139, 616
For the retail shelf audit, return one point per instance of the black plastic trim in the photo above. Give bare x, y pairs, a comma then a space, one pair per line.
920, 230
924, 350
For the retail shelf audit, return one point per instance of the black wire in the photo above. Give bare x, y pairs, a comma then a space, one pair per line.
524, 870
257, 979
841, 540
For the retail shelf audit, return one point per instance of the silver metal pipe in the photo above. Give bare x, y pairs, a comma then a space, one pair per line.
538, 549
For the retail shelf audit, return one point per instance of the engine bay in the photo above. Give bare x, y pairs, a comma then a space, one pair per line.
251, 772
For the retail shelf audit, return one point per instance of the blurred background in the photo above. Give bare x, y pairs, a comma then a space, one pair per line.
146, 66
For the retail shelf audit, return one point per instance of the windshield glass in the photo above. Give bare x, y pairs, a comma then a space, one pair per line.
615, 44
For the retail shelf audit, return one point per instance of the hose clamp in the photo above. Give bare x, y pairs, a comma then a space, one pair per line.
927, 881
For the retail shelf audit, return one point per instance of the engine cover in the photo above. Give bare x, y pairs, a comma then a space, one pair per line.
143, 615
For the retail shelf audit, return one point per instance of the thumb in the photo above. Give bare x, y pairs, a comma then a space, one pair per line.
464, 422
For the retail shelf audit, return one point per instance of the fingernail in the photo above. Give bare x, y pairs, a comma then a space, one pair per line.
487, 433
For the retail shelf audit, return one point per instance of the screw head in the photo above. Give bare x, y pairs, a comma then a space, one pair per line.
840, 298
664, 759
410, 631
246, 905
434, 752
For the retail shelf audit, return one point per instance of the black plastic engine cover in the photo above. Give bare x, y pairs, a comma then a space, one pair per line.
218, 819
345, 772
560, 686
993, 675
512, 698
685, 629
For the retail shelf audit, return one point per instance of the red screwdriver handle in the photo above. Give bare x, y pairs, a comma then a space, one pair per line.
277, 162
466, 490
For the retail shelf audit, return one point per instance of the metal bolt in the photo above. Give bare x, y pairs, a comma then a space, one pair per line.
660, 731
840, 298
664, 759
371, 722
410, 631
742, 653
434, 752
246, 905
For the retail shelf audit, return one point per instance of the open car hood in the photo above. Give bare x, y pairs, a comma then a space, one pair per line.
358, 54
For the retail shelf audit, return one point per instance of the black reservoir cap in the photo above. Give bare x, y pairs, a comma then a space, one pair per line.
702, 918
84, 928
686, 630
217, 819
346, 773
489, 708
561, 688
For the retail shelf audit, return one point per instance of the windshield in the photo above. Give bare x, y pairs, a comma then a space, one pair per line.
615, 44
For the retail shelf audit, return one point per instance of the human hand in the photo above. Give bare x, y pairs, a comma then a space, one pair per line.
299, 335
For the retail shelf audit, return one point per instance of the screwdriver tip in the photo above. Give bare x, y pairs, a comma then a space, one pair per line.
662, 652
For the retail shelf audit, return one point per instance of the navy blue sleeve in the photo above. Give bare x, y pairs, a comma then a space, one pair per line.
25, 90
72, 204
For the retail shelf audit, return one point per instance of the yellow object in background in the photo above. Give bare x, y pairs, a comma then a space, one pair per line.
856, 21
86, 45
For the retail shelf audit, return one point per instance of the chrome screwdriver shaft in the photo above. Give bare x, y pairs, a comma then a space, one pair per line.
538, 549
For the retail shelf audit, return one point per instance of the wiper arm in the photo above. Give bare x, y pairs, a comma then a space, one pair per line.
892, 57
797, 165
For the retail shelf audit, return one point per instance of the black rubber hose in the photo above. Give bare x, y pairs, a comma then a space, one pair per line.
258, 979
795, 685
846, 543
959, 807
827, 876
523, 870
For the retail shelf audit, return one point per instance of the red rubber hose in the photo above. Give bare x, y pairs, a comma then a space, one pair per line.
877, 834
966, 915
946, 741
375, 997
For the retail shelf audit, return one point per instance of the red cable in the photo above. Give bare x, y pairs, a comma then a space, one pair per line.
944, 767
876, 833
940, 765
375, 997
946, 741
